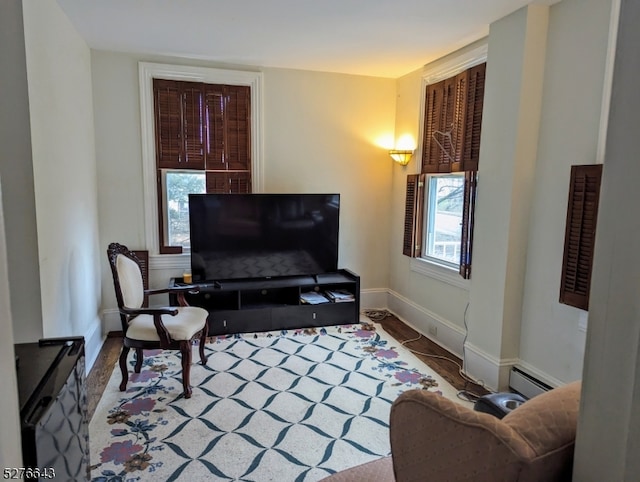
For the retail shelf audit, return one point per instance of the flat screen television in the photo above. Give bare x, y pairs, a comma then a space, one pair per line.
239, 236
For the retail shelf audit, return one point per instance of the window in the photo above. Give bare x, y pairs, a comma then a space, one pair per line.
204, 127
177, 186
443, 222
209, 121
440, 201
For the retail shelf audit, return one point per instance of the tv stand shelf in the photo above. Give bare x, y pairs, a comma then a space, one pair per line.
267, 304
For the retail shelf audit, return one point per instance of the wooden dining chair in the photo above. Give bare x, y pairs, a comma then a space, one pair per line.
171, 328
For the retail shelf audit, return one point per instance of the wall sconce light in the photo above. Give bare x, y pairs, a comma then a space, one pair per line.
402, 157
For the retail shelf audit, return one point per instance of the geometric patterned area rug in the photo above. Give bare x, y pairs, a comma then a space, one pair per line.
294, 405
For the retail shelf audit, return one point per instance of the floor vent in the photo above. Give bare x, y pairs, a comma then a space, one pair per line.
525, 384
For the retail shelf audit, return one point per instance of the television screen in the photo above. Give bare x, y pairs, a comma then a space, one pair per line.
263, 235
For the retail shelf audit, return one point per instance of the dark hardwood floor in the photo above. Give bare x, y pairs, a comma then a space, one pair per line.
443, 362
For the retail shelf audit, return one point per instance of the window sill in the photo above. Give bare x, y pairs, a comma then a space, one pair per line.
439, 272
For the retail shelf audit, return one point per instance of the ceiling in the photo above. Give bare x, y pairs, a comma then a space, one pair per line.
383, 38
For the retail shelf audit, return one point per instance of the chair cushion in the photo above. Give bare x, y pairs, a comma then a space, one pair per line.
189, 321
131, 283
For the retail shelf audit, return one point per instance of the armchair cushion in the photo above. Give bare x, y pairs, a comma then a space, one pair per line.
183, 326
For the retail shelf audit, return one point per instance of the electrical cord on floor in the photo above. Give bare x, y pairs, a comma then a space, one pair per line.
376, 315
465, 393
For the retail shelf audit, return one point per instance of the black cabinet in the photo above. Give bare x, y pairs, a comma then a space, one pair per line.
53, 409
251, 305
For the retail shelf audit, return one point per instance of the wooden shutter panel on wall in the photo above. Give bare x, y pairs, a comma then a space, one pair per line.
413, 215
580, 231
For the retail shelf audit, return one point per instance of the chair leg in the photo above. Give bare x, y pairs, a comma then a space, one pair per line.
203, 341
185, 350
123, 368
139, 359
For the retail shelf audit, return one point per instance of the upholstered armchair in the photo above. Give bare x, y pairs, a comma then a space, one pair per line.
172, 328
434, 438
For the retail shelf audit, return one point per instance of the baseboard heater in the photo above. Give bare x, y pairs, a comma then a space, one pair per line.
525, 384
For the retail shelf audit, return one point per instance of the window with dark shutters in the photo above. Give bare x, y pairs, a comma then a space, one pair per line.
450, 143
202, 127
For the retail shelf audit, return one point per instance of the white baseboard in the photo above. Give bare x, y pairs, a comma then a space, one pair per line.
93, 340
374, 299
488, 370
447, 334
111, 320
479, 365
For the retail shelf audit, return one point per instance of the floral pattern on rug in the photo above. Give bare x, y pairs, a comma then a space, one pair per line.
133, 445
135, 450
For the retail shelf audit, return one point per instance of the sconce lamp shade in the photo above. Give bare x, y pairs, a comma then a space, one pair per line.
402, 157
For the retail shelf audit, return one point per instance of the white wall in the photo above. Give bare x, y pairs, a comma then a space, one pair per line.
64, 170
321, 131
511, 305
608, 439
510, 121
17, 170
553, 337
10, 453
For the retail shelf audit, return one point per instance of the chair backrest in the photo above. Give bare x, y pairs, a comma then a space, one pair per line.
127, 278
432, 434
548, 422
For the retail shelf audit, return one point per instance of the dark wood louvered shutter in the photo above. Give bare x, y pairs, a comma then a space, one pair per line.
179, 128
452, 122
413, 215
470, 152
193, 127
468, 213
580, 232
168, 123
228, 111
439, 115
224, 182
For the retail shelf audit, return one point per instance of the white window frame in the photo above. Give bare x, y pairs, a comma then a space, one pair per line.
165, 199
432, 73
147, 71
427, 211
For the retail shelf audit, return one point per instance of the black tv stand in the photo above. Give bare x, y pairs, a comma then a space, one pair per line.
267, 304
